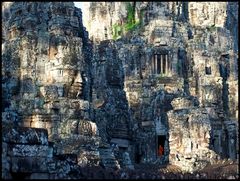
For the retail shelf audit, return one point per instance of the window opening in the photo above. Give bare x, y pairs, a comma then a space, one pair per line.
161, 64
161, 145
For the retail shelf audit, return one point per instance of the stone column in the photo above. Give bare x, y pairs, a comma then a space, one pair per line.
169, 65
152, 64
155, 61
166, 64
174, 63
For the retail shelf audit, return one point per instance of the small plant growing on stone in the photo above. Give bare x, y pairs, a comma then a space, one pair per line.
130, 25
117, 31
211, 28
131, 22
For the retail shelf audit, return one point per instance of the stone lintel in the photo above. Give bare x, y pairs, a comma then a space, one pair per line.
120, 142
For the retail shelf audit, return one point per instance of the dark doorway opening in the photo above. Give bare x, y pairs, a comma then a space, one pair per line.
20, 175
208, 70
161, 144
138, 158
138, 155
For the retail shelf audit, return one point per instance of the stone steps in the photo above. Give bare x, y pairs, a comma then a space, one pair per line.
108, 159
166, 80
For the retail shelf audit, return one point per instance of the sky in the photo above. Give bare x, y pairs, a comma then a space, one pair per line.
78, 4
84, 14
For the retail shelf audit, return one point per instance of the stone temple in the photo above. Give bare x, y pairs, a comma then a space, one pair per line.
137, 83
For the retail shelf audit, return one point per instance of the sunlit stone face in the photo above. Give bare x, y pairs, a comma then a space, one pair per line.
207, 14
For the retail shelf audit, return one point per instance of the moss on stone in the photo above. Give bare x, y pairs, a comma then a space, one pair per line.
130, 25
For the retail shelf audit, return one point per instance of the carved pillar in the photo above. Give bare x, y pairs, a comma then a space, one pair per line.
166, 64
152, 64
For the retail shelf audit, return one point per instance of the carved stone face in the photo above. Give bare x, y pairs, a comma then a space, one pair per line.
207, 136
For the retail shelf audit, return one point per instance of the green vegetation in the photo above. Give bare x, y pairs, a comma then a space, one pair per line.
211, 28
141, 17
130, 25
130, 14
117, 31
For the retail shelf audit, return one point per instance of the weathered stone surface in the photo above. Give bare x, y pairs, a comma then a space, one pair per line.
182, 103
148, 123
166, 77
190, 138
120, 142
84, 105
6, 167
54, 53
5, 162
88, 158
85, 147
108, 159
87, 128
203, 14
21, 135
29, 164
39, 175
127, 163
31, 150
68, 157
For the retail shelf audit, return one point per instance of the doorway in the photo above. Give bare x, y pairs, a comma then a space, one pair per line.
160, 146
138, 155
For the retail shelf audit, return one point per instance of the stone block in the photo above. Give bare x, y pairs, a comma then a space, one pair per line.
148, 123
6, 167
75, 143
49, 125
42, 117
182, 103
87, 128
52, 166
84, 105
147, 100
4, 149
27, 118
68, 157
31, 150
39, 176
55, 118
5, 162
26, 123
29, 164
38, 124
120, 142
86, 115
97, 103
23, 135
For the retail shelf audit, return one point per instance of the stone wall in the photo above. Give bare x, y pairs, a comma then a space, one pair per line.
194, 69
46, 76
189, 135
169, 82
110, 105
208, 13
